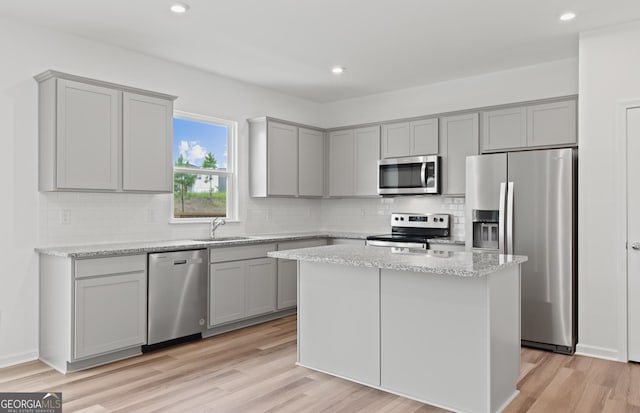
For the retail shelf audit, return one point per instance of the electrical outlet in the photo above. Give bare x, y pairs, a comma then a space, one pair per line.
65, 217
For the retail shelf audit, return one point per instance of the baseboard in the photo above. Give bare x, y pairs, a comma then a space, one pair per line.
17, 358
598, 352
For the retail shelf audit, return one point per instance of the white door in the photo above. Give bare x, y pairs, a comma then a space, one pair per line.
147, 136
633, 233
424, 137
396, 140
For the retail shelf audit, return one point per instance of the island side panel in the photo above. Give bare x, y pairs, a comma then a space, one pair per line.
435, 338
339, 320
504, 320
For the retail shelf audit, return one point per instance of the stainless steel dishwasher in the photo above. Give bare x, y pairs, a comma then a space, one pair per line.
177, 294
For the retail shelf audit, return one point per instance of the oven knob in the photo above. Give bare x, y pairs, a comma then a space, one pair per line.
396, 218
441, 219
401, 218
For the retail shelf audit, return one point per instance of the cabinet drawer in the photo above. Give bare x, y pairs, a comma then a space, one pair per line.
240, 253
113, 265
294, 245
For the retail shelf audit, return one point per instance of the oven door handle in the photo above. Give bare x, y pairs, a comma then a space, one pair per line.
423, 175
414, 245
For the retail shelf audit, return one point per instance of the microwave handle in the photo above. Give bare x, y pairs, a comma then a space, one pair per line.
423, 175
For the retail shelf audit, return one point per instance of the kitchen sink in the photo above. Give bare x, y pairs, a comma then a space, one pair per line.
221, 239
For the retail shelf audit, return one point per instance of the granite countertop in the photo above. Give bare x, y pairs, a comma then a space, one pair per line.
143, 247
447, 240
463, 264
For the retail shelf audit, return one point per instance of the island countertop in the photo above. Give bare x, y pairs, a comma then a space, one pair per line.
462, 264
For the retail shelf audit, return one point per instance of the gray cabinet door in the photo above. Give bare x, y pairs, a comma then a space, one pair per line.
147, 136
260, 286
396, 140
282, 159
341, 165
424, 137
226, 292
367, 148
458, 139
552, 124
504, 129
310, 162
110, 313
88, 136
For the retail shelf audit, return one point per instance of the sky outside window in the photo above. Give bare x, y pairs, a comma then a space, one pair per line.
194, 140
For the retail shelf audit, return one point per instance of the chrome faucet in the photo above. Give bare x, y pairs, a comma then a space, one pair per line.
215, 223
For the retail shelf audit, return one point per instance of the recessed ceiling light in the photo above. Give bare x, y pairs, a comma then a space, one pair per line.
337, 70
179, 8
565, 17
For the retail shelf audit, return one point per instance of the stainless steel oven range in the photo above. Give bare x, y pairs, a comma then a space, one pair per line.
413, 231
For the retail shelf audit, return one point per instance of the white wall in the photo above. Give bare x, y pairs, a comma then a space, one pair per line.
609, 62
551, 79
30, 219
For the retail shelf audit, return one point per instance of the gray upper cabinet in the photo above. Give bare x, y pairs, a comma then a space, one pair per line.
410, 138
504, 129
341, 163
99, 136
282, 159
353, 162
536, 125
86, 124
146, 124
285, 160
367, 150
552, 124
458, 139
396, 140
310, 162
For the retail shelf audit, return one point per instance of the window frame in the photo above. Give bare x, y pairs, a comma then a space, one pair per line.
230, 172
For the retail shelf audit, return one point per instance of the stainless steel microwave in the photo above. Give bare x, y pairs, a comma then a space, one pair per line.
409, 175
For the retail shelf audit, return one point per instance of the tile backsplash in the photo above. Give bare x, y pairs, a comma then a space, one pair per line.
80, 218
374, 214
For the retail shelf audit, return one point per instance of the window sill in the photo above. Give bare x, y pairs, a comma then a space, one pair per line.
199, 221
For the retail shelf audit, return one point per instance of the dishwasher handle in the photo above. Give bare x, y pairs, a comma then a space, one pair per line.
179, 262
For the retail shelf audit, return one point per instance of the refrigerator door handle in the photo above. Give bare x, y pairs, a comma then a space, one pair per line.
509, 218
501, 222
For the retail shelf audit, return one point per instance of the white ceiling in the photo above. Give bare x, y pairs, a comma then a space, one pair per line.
290, 45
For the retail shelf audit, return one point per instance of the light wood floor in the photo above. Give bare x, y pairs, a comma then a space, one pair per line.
252, 370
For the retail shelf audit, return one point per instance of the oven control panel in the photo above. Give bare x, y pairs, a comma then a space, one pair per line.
420, 220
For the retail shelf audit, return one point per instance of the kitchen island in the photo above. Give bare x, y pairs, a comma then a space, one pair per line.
439, 327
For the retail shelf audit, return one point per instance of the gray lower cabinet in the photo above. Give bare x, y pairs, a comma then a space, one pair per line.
530, 126
92, 311
242, 283
288, 273
458, 139
110, 313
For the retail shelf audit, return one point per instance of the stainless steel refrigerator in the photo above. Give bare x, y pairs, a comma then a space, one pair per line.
524, 203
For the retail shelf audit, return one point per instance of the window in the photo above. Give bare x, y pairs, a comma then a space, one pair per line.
203, 167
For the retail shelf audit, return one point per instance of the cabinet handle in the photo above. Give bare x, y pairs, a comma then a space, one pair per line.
635, 245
